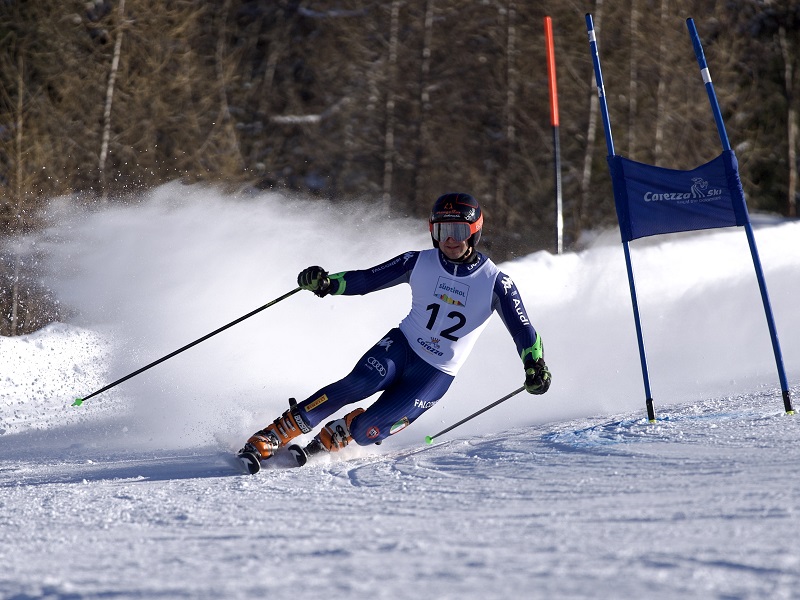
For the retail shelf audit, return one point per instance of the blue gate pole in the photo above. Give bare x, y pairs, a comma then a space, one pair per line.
762, 285
651, 415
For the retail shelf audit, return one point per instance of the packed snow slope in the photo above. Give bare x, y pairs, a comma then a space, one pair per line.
569, 495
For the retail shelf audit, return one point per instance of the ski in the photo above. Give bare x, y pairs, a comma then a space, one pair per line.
249, 461
297, 456
302, 454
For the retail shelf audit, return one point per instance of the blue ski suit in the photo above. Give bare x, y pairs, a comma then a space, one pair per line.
415, 363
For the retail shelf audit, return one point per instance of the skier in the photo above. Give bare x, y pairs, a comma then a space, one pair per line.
454, 291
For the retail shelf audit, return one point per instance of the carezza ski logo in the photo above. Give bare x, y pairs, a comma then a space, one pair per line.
431, 345
699, 191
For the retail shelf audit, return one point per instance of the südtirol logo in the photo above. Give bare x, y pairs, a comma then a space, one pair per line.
451, 291
699, 191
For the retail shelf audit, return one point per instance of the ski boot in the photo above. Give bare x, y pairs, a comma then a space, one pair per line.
263, 444
332, 438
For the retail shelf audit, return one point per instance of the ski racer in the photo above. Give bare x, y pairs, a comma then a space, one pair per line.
455, 289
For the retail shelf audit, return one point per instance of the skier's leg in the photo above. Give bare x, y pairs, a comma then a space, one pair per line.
373, 372
408, 378
336, 434
416, 390
419, 388
376, 370
278, 433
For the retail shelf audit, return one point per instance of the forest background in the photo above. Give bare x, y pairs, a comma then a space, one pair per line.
390, 102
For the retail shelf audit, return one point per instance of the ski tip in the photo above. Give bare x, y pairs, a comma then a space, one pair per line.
250, 462
428, 439
78, 402
299, 454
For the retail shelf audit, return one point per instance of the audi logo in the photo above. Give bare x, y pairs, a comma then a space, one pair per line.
376, 364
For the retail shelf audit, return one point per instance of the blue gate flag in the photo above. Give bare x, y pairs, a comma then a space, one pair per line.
653, 200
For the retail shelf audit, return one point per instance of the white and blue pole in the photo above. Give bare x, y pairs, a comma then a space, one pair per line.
723, 136
651, 416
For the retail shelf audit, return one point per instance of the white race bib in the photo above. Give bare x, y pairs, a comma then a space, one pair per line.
448, 313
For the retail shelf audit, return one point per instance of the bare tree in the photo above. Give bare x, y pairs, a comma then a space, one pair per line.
18, 188
423, 139
223, 71
509, 114
789, 59
335, 100
591, 136
389, 150
633, 81
109, 99
662, 89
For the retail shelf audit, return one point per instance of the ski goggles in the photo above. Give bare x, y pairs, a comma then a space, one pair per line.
459, 231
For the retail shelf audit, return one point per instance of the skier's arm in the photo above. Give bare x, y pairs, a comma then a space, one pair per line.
382, 276
352, 283
508, 304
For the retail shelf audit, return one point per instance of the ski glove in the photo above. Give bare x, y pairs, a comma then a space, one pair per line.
537, 377
315, 279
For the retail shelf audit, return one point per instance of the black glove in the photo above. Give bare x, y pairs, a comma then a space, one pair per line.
537, 377
314, 279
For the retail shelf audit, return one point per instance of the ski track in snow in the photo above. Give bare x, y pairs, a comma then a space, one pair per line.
571, 495
697, 505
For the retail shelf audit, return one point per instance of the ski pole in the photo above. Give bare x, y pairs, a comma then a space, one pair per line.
79, 401
429, 439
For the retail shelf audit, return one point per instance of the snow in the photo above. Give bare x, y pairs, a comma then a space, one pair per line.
569, 495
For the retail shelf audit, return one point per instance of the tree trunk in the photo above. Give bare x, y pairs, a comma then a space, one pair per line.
792, 125
591, 136
389, 146
14, 325
277, 47
19, 192
633, 108
661, 95
109, 98
504, 170
423, 141
222, 82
